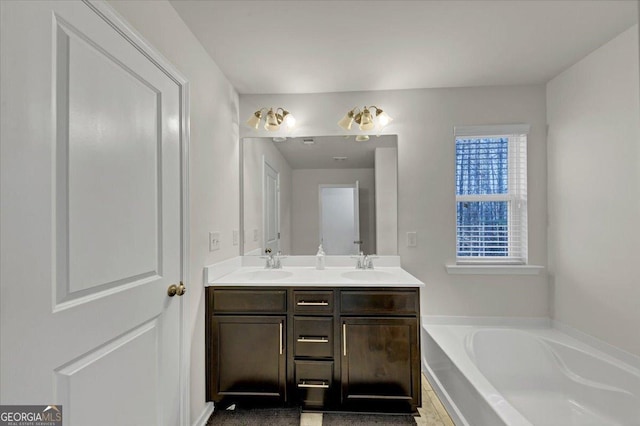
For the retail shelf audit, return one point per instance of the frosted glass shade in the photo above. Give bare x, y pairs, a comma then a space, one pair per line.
272, 122
366, 121
254, 121
346, 121
289, 120
383, 119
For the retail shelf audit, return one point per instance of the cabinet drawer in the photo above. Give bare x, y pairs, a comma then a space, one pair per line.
313, 301
390, 302
314, 382
313, 336
249, 301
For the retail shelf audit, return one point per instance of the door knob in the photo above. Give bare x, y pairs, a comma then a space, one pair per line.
176, 289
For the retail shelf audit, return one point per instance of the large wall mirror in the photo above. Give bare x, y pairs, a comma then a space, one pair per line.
300, 192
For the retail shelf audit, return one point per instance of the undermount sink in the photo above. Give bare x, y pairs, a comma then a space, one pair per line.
267, 275
368, 275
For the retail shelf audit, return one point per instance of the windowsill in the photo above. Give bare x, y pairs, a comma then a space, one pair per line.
476, 269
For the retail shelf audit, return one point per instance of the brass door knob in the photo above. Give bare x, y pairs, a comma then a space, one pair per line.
176, 289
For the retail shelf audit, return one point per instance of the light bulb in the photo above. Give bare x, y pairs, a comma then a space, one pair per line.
271, 123
346, 121
254, 120
366, 121
383, 119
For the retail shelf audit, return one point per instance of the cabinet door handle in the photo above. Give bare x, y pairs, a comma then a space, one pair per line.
344, 339
322, 385
305, 339
280, 337
320, 303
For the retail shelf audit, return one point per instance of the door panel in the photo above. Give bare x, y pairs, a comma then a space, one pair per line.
109, 158
90, 226
378, 358
340, 219
259, 342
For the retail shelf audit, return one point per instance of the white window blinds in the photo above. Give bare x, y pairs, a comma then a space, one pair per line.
491, 194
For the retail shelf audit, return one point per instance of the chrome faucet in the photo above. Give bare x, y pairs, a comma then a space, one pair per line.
274, 261
269, 257
364, 261
277, 260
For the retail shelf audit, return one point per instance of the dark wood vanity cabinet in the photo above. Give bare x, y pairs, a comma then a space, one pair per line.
246, 344
320, 348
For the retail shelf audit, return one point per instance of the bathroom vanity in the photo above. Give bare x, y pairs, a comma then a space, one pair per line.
337, 339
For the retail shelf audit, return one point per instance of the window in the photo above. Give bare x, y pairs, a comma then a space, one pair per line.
491, 194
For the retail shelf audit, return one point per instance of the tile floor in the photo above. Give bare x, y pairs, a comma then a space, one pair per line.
432, 413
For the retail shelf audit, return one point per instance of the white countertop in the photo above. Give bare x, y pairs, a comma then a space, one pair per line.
301, 276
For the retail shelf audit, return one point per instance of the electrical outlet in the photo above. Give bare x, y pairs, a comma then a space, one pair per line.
412, 239
214, 241
235, 237
255, 235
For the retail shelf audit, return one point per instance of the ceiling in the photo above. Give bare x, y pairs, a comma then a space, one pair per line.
334, 46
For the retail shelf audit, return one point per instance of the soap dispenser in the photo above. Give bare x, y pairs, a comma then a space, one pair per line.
320, 258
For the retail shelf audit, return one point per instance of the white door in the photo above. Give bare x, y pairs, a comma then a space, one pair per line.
91, 219
271, 209
340, 219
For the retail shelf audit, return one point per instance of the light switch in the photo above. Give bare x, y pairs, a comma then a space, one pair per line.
235, 237
214, 241
412, 239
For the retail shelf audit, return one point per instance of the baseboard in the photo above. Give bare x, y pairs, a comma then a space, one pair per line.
204, 416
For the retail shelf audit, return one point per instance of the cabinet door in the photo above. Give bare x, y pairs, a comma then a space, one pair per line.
380, 362
248, 356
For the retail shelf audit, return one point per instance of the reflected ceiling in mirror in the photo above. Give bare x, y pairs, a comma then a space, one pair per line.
299, 192
332, 152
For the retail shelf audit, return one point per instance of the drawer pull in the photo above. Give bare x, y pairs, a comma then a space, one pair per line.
281, 338
321, 385
304, 339
320, 303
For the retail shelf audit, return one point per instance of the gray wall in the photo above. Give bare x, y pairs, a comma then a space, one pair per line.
594, 193
424, 121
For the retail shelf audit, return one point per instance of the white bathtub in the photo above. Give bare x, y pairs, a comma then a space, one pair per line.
528, 376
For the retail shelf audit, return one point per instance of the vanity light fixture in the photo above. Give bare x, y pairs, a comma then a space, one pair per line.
273, 119
365, 118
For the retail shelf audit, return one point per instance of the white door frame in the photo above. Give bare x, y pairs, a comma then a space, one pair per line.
265, 163
106, 12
